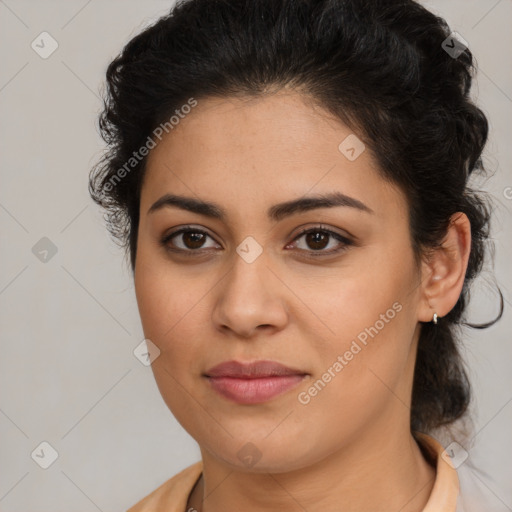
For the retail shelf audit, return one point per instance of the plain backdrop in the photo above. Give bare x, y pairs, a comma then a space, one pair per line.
68, 316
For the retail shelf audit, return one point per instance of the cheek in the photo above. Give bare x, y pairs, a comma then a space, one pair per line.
175, 312
167, 304
357, 380
168, 312
358, 303
161, 291
368, 314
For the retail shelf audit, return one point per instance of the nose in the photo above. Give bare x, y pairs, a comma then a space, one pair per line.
250, 299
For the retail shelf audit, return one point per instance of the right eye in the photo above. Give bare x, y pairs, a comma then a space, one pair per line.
189, 240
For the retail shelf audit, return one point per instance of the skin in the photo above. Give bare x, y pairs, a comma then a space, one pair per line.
350, 448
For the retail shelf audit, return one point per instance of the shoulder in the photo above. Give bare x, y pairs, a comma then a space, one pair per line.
472, 487
173, 494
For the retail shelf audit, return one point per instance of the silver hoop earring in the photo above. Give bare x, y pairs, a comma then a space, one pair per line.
434, 319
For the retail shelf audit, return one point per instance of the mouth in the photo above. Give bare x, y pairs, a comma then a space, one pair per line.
253, 383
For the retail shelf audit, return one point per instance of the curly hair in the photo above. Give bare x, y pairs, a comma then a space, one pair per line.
379, 67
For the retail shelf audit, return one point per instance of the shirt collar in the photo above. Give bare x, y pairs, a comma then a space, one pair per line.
445, 492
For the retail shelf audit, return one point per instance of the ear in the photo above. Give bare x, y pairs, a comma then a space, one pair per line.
444, 269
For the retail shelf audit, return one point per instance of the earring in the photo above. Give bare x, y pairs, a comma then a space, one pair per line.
434, 319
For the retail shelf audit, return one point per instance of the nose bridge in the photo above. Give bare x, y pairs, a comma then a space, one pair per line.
250, 261
248, 296
248, 282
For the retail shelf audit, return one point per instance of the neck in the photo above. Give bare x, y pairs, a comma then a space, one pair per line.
381, 470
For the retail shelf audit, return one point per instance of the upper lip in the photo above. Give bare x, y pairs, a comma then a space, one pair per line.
255, 370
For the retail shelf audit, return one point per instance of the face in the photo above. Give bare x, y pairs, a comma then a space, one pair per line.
328, 290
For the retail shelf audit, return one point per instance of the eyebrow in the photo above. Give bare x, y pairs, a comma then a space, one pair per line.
274, 213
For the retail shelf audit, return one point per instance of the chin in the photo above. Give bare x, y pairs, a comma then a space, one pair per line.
264, 455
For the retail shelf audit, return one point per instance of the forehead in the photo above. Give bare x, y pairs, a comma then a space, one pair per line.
278, 126
246, 151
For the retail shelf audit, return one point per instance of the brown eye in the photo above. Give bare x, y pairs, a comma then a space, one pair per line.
187, 240
193, 240
318, 238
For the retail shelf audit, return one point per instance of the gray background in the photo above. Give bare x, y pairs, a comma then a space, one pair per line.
69, 325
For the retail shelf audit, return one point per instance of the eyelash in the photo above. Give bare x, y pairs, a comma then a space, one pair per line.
346, 243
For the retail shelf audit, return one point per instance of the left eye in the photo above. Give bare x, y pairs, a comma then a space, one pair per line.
316, 239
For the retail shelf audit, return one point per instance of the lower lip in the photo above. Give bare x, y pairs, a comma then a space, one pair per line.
254, 391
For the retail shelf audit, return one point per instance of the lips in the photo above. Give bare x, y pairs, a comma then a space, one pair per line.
256, 370
253, 383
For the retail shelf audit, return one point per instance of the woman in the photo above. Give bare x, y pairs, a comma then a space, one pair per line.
290, 179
